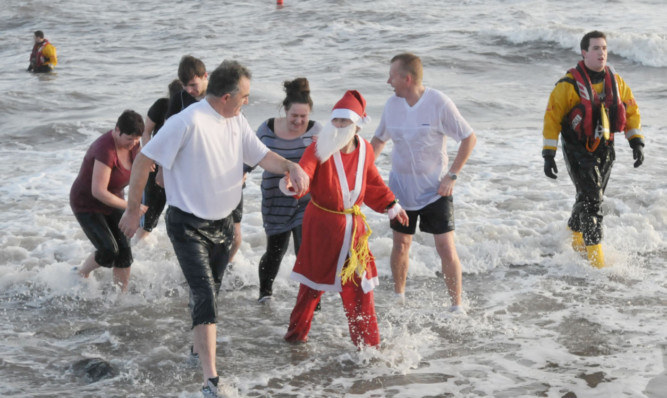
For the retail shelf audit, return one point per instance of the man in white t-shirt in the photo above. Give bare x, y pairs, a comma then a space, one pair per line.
418, 119
202, 151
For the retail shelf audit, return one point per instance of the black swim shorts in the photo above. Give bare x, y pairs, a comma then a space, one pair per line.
436, 218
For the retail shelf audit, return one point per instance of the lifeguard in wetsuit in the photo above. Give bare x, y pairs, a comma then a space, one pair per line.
43, 56
588, 106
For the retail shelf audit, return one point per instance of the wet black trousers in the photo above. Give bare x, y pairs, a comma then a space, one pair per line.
202, 248
269, 265
590, 173
155, 198
112, 247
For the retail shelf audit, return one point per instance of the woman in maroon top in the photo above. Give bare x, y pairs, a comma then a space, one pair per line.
97, 198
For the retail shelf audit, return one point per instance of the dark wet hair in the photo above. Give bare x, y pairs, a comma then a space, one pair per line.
39, 33
175, 87
297, 92
226, 77
189, 68
586, 40
130, 123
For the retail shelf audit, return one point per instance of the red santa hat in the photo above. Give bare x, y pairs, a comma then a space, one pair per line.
352, 106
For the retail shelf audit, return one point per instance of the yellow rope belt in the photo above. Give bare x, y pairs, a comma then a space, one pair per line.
360, 255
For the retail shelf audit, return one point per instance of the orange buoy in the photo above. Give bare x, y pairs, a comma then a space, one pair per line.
279, 2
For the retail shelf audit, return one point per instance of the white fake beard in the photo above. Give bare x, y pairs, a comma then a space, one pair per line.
331, 139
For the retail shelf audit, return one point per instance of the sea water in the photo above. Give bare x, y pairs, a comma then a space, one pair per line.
541, 321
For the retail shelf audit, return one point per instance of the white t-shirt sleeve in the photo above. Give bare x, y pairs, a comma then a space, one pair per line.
381, 132
452, 123
254, 149
164, 147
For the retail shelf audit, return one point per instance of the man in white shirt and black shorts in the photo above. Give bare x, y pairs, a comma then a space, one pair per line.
418, 119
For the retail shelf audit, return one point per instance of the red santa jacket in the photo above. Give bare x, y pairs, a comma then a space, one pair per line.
337, 184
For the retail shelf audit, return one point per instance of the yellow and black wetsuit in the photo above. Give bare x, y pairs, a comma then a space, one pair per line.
589, 168
43, 57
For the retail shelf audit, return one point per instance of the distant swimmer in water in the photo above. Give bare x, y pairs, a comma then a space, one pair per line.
586, 108
97, 198
43, 56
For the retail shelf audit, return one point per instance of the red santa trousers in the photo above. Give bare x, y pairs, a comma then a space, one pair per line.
359, 309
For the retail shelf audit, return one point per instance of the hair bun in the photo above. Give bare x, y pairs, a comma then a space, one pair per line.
297, 86
297, 91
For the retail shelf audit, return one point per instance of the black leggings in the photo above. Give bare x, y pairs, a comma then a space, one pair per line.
112, 247
276, 246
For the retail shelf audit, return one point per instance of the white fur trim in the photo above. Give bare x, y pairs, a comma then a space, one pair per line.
283, 187
324, 287
393, 211
345, 114
368, 284
348, 114
364, 120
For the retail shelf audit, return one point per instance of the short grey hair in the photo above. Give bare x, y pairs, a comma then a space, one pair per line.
226, 77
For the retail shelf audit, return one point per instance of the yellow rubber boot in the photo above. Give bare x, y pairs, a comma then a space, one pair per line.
595, 256
578, 242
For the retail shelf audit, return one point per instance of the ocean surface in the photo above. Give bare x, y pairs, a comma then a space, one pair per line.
541, 322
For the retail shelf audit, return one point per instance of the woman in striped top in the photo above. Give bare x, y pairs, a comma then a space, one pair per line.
282, 215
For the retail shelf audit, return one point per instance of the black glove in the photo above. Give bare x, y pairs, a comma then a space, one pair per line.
550, 169
637, 145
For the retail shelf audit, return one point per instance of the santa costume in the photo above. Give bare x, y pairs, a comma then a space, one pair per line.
334, 253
